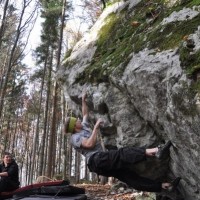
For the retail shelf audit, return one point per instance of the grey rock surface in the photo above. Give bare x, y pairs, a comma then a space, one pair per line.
149, 103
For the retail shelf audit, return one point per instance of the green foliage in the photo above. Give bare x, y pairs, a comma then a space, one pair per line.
38, 74
52, 6
40, 53
51, 12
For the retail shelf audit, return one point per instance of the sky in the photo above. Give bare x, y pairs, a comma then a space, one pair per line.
34, 41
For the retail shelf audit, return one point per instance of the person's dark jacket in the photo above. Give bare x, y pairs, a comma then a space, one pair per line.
13, 174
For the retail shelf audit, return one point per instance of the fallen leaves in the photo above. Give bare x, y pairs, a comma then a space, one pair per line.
135, 23
103, 192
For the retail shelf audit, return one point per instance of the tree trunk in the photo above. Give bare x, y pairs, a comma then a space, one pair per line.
11, 58
64, 140
46, 118
3, 21
77, 167
43, 140
51, 154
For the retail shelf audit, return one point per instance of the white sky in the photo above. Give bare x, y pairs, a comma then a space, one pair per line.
34, 41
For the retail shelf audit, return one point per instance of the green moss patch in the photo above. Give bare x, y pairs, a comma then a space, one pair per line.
189, 3
190, 61
170, 35
118, 38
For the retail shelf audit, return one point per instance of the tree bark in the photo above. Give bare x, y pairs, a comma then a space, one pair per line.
51, 154
12, 58
3, 22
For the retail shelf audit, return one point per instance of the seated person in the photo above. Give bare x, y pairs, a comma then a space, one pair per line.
9, 174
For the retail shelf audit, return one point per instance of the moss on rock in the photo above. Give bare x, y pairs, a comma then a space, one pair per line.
190, 61
129, 32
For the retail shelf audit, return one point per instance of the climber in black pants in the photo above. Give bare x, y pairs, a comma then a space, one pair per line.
114, 163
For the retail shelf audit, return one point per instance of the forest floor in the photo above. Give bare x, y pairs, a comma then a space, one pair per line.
105, 192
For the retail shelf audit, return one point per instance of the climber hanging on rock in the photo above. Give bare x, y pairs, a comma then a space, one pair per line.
114, 163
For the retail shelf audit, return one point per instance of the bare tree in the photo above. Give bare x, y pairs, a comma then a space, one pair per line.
14, 54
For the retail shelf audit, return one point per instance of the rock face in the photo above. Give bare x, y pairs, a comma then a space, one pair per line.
143, 82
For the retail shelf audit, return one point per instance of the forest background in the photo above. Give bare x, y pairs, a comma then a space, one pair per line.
32, 106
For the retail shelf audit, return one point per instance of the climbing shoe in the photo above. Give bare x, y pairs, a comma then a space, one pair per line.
163, 150
174, 184
171, 191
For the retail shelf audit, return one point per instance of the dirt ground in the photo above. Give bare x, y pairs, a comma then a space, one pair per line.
105, 192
